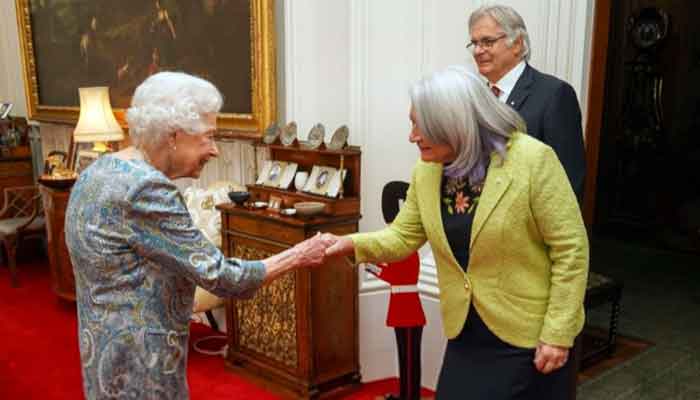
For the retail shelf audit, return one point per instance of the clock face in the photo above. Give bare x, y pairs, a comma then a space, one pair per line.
649, 27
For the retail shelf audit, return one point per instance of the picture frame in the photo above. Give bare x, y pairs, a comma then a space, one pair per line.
272, 176
84, 158
319, 180
274, 203
5, 109
231, 44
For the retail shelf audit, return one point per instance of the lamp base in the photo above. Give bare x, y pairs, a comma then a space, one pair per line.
100, 147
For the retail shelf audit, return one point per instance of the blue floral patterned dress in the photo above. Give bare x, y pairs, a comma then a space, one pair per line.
137, 258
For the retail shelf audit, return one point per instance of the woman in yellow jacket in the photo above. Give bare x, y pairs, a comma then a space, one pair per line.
506, 232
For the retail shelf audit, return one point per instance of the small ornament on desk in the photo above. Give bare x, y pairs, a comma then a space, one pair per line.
288, 175
272, 133
339, 138
274, 204
300, 180
315, 138
5, 109
289, 134
336, 184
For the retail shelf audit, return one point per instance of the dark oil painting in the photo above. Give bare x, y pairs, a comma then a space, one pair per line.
118, 43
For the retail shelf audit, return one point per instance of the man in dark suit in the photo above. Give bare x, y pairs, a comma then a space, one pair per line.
549, 105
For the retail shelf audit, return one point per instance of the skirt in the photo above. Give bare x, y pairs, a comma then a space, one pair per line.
478, 365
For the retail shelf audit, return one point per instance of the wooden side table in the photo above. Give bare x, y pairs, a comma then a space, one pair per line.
602, 290
299, 334
55, 203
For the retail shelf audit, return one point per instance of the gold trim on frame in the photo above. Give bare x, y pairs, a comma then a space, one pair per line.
231, 125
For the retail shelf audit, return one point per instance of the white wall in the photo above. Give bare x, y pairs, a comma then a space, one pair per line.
11, 76
351, 62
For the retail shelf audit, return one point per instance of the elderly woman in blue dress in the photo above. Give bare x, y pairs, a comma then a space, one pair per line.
136, 254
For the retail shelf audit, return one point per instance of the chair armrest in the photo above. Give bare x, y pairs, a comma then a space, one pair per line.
36, 212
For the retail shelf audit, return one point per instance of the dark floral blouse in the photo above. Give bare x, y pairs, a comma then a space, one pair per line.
458, 205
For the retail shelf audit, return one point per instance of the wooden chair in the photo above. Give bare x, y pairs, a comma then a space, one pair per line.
21, 217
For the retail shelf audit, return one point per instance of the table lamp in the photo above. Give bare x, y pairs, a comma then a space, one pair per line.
96, 122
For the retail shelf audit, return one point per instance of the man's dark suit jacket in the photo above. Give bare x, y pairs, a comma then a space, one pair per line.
552, 114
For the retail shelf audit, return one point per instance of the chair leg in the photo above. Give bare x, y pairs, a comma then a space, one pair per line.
11, 252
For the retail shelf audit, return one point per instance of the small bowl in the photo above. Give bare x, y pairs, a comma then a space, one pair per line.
260, 204
288, 211
309, 208
239, 197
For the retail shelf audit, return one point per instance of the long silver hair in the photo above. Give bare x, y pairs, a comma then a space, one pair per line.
510, 21
455, 107
170, 101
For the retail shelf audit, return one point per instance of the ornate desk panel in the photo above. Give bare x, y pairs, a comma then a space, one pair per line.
299, 335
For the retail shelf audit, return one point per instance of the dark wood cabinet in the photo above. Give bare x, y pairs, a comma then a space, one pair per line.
299, 334
55, 203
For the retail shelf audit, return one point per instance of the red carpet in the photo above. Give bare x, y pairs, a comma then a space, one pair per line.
39, 348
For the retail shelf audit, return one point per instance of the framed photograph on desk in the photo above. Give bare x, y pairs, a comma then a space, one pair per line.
319, 180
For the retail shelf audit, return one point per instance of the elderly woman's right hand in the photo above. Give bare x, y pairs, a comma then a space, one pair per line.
312, 252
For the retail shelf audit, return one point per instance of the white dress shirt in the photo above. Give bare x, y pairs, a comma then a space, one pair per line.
507, 83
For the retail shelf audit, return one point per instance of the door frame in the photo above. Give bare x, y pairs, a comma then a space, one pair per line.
595, 104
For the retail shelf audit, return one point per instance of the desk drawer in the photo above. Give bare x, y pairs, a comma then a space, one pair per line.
15, 168
265, 229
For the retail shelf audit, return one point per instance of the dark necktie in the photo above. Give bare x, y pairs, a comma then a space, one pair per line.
496, 91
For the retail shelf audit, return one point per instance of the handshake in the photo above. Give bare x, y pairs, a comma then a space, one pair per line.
315, 251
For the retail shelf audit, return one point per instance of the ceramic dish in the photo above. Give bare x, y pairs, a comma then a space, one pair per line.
339, 138
289, 134
309, 208
288, 211
260, 204
272, 133
315, 136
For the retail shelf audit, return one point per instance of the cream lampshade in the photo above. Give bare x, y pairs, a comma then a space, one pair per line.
96, 122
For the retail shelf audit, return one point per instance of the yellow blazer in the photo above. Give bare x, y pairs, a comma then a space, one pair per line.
528, 262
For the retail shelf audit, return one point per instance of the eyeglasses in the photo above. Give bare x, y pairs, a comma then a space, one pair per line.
485, 43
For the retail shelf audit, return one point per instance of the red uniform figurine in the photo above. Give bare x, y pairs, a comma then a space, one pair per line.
406, 316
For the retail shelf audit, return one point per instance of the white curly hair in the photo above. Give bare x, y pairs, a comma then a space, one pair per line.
167, 102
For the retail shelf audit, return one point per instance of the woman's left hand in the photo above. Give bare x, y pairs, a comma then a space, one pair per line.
550, 358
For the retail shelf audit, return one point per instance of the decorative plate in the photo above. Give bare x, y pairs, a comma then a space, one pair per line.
339, 138
316, 136
289, 134
272, 133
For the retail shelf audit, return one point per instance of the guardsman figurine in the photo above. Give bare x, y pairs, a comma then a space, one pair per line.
406, 316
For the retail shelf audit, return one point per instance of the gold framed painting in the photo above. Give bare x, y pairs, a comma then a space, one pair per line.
76, 43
